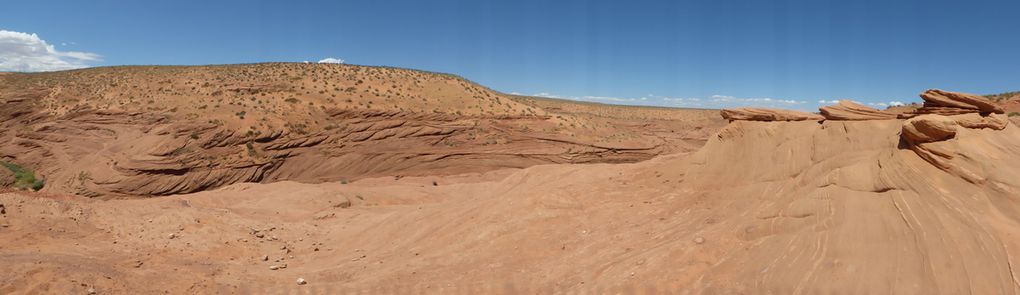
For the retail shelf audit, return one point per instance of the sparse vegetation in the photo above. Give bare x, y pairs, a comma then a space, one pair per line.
1003, 96
23, 177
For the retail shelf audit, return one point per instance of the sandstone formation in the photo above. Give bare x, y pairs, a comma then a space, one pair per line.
146, 131
766, 114
949, 103
797, 207
924, 134
849, 110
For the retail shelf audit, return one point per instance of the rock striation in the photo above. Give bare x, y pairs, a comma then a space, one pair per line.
848, 110
766, 114
949, 103
928, 131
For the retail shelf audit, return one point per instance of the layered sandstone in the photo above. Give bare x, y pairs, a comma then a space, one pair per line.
852, 111
145, 131
947, 103
767, 114
788, 207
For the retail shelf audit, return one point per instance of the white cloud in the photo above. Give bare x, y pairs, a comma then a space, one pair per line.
763, 100
331, 60
896, 103
714, 101
546, 94
23, 52
717, 101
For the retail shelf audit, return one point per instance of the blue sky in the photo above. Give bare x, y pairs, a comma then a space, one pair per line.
721, 53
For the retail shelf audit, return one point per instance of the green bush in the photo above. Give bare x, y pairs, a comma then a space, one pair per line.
24, 178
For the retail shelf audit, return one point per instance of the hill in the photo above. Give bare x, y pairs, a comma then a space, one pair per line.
160, 130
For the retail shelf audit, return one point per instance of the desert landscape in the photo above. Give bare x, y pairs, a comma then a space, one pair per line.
294, 178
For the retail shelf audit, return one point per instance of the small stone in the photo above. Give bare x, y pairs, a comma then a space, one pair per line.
699, 240
91, 291
259, 235
171, 236
274, 267
301, 281
265, 257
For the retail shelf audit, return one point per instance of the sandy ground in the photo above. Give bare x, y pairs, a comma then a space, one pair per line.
324, 179
519, 228
780, 207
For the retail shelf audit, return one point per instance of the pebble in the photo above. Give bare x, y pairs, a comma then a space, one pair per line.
171, 236
699, 240
274, 267
265, 257
301, 281
91, 291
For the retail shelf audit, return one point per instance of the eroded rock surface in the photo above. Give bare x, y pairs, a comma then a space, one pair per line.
768, 115
852, 111
145, 131
948, 103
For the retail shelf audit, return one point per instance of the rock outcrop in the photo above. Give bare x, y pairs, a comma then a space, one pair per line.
766, 114
948, 103
928, 131
925, 135
847, 110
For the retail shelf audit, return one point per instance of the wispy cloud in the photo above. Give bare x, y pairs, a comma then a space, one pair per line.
24, 52
886, 104
717, 101
714, 101
763, 100
608, 99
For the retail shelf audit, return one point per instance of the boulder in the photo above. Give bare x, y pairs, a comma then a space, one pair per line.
929, 128
848, 110
765, 114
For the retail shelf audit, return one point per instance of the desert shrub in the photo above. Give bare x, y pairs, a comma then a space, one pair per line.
1014, 114
24, 178
251, 149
